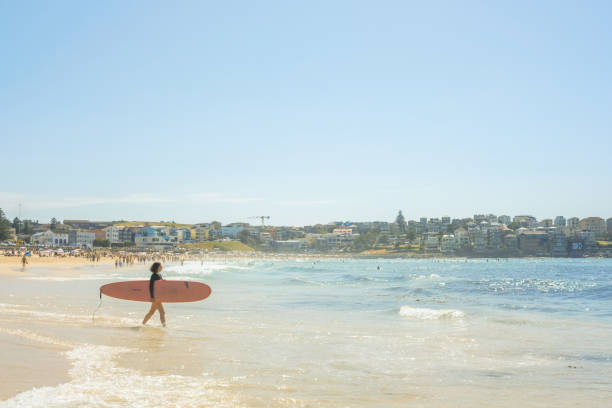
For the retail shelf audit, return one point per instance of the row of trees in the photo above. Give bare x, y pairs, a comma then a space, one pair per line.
5, 226
25, 227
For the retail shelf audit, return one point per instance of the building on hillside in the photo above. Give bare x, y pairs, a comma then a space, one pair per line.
294, 245
609, 226
573, 223
478, 218
128, 234
86, 224
504, 219
100, 234
526, 221
231, 231
559, 221
155, 242
447, 243
558, 243
547, 222
479, 237
462, 237
534, 243
201, 233
49, 238
81, 239
112, 234
336, 242
430, 242
594, 224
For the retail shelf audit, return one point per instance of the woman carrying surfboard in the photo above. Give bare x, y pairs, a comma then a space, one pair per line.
156, 269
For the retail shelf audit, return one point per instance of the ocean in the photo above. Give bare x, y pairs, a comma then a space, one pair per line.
328, 333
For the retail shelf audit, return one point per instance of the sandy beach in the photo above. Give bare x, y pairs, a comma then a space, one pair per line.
303, 332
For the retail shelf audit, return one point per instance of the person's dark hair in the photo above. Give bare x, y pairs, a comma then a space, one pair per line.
155, 267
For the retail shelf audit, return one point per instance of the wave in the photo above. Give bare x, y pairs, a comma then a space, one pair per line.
97, 380
430, 314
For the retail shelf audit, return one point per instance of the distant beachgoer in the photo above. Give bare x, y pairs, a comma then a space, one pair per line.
24, 262
156, 269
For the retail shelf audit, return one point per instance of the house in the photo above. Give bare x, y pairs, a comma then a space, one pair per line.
112, 234
86, 224
430, 242
295, 245
100, 234
156, 242
573, 223
49, 238
448, 243
231, 231
201, 233
81, 239
559, 221
504, 219
526, 221
462, 238
594, 224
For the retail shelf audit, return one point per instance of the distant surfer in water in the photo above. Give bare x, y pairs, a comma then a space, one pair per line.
156, 269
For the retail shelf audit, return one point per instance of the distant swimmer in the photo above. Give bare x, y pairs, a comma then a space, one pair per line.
378, 268
156, 269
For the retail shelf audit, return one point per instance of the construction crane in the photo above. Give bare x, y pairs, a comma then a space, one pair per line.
262, 218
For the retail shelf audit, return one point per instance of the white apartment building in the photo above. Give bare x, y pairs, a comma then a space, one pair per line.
49, 238
112, 234
448, 243
81, 239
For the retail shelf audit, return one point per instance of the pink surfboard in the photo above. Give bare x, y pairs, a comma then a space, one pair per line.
165, 291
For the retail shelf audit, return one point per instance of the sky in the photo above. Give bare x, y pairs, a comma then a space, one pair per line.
307, 112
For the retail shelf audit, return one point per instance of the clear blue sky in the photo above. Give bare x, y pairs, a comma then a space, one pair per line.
305, 111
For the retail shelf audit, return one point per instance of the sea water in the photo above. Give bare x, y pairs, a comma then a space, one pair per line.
328, 333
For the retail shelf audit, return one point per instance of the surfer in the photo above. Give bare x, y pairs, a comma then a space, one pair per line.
156, 269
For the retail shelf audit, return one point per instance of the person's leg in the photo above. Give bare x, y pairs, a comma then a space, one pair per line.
162, 314
151, 311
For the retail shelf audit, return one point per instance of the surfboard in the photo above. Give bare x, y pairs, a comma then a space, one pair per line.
165, 291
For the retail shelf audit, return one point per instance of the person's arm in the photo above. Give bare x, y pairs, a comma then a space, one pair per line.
152, 286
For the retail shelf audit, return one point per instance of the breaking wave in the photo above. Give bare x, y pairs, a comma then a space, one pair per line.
430, 314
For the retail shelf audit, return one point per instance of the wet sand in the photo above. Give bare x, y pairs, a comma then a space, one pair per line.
28, 364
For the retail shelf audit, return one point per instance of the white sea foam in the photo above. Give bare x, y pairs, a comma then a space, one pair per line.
100, 319
97, 381
430, 314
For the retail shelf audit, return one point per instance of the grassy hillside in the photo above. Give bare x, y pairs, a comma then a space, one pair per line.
222, 245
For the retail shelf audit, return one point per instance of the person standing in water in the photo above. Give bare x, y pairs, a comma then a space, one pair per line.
156, 269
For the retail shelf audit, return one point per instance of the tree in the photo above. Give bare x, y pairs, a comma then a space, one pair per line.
5, 224
28, 227
18, 225
401, 222
216, 225
104, 243
514, 225
53, 223
412, 234
364, 242
243, 236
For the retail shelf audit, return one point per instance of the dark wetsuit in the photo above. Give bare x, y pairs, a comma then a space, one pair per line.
154, 277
